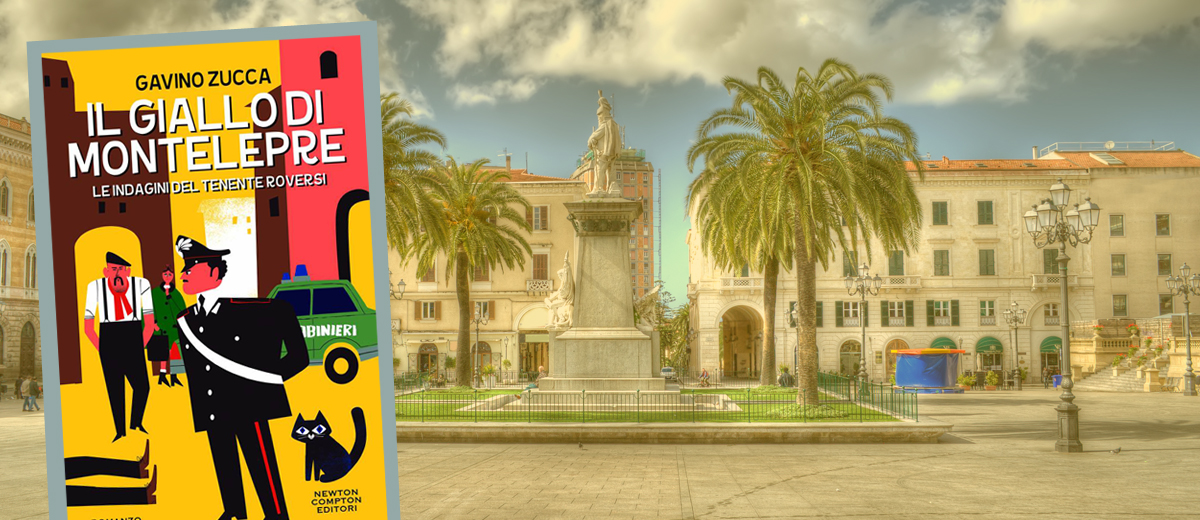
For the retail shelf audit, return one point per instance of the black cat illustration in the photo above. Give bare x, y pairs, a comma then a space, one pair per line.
324, 458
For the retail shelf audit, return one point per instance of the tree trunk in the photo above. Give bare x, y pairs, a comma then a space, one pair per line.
462, 287
770, 282
806, 328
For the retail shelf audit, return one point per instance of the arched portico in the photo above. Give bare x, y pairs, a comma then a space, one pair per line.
741, 329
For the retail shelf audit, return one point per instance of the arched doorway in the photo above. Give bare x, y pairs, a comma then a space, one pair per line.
427, 357
741, 342
28, 350
483, 354
890, 349
850, 358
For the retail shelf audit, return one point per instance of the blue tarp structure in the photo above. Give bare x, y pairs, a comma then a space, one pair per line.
927, 368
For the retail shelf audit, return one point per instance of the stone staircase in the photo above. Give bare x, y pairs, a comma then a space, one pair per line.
1105, 381
1129, 380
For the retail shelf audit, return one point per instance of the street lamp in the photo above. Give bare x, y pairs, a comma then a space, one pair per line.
1186, 285
479, 319
1048, 223
863, 284
1015, 317
398, 292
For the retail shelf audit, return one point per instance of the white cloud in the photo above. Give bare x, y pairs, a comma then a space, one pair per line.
518, 90
32, 20
980, 49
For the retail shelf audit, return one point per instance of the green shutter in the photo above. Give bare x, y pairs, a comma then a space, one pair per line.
987, 262
1050, 261
908, 313
985, 212
929, 313
883, 313
864, 314
954, 312
837, 313
820, 313
849, 261
941, 213
896, 263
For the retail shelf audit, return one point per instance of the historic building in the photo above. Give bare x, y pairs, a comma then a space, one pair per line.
973, 261
636, 175
20, 351
425, 320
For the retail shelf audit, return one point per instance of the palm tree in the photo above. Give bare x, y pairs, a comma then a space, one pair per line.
477, 226
723, 200
827, 150
407, 172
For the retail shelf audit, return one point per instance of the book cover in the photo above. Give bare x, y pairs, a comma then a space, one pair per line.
212, 346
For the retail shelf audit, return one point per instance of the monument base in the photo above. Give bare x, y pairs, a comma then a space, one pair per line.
602, 384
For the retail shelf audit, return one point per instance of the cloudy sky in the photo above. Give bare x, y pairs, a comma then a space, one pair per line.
977, 79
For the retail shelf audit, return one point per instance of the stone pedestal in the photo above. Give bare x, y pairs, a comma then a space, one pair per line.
603, 351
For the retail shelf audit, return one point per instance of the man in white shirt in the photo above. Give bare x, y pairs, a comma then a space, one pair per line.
123, 305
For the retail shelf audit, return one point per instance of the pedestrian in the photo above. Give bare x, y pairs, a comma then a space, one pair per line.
541, 373
35, 391
17, 393
1046, 377
25, 392
123, 305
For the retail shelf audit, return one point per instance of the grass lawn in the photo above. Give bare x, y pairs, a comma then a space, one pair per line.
776, 406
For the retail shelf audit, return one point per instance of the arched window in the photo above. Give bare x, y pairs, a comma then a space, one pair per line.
29, 215
31, 266
5, 199
5, 259
329, 67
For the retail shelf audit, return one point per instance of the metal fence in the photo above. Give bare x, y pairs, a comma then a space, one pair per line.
840, 399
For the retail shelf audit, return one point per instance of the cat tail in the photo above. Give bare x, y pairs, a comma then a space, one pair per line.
360, 435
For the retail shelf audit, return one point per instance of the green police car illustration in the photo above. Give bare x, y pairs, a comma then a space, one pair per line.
338, 328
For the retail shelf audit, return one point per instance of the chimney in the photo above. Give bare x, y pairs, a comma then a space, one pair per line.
507, 162
945, 160
1035, 153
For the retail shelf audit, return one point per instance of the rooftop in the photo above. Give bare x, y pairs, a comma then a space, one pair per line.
522, 175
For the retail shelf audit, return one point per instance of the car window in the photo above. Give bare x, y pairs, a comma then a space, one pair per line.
299, 298
332, 300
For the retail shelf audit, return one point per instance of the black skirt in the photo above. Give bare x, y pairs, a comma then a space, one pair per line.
159, 348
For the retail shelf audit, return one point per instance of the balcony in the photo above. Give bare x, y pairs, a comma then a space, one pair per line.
893, 321
987, 320
741, 284
539, 286
1053, 281
941, 320
851, 322
1051, 320
905, 282
20, 293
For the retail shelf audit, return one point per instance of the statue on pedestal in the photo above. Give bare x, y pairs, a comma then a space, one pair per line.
562, 302
605, 145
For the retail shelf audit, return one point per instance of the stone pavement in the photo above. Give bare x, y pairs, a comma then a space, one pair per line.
999, 463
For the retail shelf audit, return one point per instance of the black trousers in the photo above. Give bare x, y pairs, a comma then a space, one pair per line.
77, 467
106, 496
259, 453
122, 359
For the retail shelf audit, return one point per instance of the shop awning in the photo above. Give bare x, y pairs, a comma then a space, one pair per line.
988, 345
1051, 344
943, 342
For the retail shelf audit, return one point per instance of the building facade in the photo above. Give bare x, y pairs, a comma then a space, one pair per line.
636, 175
973, 261
425, 319
20, 347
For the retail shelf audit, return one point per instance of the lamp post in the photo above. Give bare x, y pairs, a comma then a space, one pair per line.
863, 284
479, 319
794, 322
1048, 223
1186, 285
1015, 317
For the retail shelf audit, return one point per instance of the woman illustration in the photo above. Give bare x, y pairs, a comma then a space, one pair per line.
164, 345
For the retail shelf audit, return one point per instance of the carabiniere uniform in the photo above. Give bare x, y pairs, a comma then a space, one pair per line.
236, 366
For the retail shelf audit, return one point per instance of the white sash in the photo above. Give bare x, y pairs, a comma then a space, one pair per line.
227, 364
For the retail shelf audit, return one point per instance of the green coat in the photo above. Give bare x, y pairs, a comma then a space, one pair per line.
166, 308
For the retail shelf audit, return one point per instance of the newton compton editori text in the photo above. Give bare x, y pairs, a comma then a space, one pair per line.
255, 149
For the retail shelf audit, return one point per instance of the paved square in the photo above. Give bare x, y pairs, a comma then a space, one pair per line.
1000, 463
